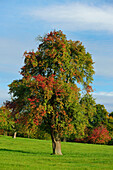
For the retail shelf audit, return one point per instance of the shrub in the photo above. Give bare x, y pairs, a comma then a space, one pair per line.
99, 135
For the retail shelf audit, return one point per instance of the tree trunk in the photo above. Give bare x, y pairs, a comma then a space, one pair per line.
14, 136
5, 133
64, 140
56, 145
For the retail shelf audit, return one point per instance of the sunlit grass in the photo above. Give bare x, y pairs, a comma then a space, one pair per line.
21, 153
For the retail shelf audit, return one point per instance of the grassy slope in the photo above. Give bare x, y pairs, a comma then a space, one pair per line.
21, 153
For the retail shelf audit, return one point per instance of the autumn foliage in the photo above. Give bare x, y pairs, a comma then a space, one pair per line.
48, 95
99, 135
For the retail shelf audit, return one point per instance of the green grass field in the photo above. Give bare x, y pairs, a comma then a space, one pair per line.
21, 153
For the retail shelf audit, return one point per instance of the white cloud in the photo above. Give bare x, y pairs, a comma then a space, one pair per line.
76, 16
105, 98
104, 94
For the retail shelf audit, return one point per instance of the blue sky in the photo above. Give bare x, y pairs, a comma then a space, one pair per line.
91, 22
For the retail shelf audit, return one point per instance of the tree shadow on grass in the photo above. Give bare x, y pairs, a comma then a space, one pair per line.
21, 151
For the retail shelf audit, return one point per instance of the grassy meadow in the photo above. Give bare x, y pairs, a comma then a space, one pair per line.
33, 154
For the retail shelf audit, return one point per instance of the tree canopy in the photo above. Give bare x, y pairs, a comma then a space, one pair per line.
48, 93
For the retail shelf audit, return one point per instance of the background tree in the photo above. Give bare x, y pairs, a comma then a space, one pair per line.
47, 95
88, 110
88, 105
6, 122
100, 116
110, 124
83, 117
111, 114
